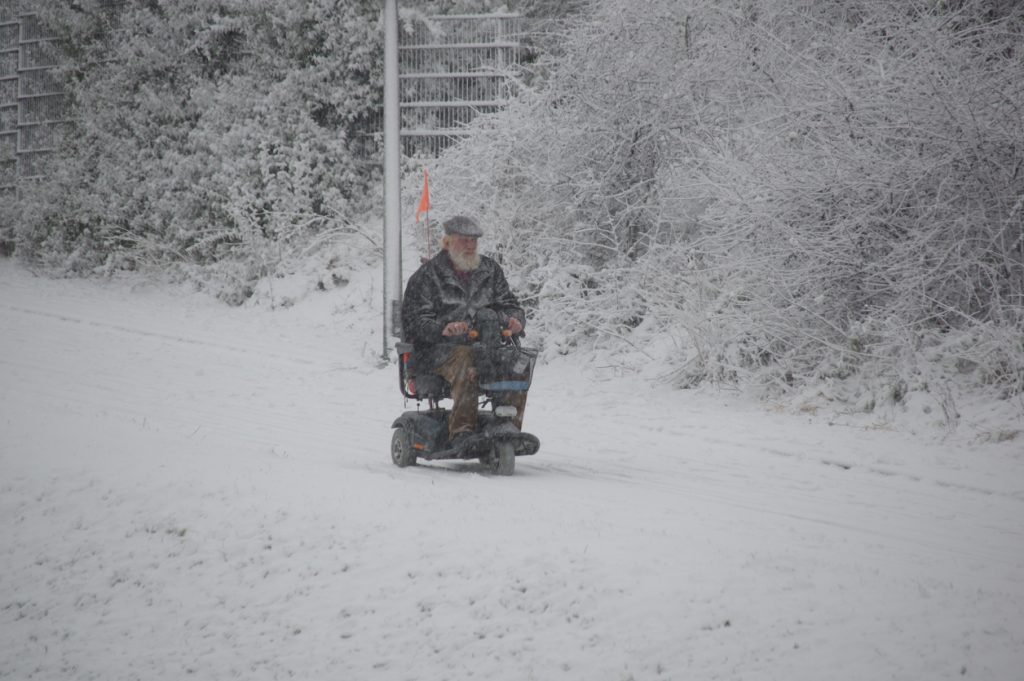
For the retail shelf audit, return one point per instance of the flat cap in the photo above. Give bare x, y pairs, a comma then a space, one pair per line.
462, 225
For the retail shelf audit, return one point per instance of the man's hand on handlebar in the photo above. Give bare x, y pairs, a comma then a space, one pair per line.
455, 329
462, 328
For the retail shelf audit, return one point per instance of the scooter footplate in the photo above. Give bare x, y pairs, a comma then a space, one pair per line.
481, 445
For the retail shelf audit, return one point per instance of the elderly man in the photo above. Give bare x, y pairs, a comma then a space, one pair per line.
441, 300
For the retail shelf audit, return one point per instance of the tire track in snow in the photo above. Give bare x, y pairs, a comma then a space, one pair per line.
201, 395
908, 513
175, 338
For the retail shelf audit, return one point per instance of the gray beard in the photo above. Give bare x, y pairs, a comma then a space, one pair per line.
465, 263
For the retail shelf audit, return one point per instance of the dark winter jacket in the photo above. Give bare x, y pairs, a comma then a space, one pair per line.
435, 296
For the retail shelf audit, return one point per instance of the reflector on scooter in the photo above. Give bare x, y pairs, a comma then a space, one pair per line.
505, 411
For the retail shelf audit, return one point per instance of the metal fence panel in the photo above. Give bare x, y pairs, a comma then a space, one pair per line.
32, 164
9, 36
9, 119
33, 109
32, 28
9, 64
42, 53
452, 68
35, 82
8, 92
8, 147
42, 109
43, 137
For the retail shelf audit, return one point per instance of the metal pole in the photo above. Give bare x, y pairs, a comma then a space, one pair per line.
392, 180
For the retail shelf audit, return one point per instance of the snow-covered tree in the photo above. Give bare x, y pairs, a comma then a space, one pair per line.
213, 131
792, 191
218, 136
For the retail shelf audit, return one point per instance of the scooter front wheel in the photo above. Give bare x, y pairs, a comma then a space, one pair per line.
504, 458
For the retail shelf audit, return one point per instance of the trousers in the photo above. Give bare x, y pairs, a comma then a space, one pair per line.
460, 373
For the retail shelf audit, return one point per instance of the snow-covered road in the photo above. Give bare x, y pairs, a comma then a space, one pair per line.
194, 491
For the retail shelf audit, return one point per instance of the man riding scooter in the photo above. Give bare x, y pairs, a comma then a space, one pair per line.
441, 301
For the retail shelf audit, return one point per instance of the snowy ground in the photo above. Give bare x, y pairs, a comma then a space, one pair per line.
194, 491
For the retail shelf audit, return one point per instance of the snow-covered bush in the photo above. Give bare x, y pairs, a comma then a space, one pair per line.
795, 191
879, 183
218, 135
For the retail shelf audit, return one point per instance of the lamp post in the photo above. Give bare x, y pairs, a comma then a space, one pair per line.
392, 180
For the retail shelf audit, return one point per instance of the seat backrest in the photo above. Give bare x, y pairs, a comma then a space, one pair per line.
418, 386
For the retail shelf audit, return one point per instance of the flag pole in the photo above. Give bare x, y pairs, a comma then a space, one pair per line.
427, 237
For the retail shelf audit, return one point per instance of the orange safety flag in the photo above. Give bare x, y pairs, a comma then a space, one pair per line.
424, 204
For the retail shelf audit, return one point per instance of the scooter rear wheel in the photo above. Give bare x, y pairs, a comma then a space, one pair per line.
504, 458
402, 453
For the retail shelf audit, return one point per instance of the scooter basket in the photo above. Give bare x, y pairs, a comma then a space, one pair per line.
509, 369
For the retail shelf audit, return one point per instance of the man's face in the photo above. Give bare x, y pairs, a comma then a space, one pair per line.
463, 245
462, 250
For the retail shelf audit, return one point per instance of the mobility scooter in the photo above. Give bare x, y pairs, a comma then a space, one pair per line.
503, 367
